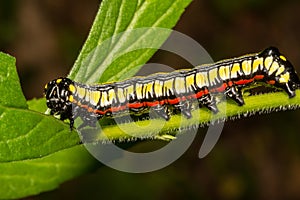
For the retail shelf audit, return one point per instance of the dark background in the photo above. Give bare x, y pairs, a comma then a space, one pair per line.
255, 158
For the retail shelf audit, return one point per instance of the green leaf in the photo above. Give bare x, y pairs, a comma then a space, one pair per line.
38, 105
10, 89
33, 156
109, 54
25, 134
22, 129
28, 177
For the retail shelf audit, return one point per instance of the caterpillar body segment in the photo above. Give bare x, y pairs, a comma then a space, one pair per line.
177, 89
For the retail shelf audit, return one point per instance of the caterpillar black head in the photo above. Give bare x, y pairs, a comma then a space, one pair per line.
57, 94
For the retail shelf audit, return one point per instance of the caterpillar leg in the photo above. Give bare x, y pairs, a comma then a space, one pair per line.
161, 111
185, 109
234, 94
67, 115
88, 122
88, 118
209, 102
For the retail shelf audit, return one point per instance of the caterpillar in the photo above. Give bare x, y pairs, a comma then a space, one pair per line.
177, 89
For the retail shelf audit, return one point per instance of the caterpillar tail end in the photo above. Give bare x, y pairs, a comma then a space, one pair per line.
292, 94
289, 89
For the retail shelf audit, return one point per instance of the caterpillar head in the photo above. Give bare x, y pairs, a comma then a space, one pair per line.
57, 94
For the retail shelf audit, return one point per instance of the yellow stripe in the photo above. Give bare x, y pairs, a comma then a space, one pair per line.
273, 68
224, 72
87, 96
71, 98
246, 66
81, 92
201, 79
179, 85
234, 70
282, 57
129, 92
213, 76
72, 88
257, 63
94, 97
280, 70
168, 86
148, 89
284, 78
138, 90
189, 81
121, 96
112, 96
268, 62
58, 81
103, 100
158, 89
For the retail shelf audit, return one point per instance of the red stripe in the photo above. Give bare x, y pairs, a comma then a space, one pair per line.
119, 108
152, 104
220, 89
272, 82
135, 105
173, 101
99, 112
258, 77
244, 81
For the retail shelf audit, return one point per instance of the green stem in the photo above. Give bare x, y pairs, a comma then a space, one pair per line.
257, 104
